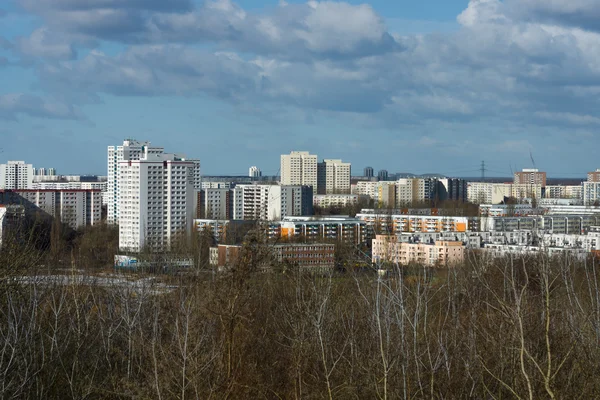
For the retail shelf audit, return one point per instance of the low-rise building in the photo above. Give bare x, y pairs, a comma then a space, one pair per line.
334, 200
397, 223
314, 229
388, 249
312, 255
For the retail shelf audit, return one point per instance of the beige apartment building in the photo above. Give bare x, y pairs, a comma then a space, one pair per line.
299, 168
388, 249
333, 177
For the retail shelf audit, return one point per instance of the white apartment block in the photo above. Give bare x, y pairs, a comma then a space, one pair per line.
334, 200
271, 202
254, 172
130, 150
366, 188
526, 191
75, 207
16, 175
217, 185
397, 223
591, 193
488, 193
333, 177
563, 192
156, 200
68, 182
299, 168
197, 174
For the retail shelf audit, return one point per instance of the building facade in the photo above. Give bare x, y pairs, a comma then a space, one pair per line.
156, 200
334, 200
530, 177
299, 168
16, 175
591, 193
333, 177
130, 150
346, 229
254, 172
387, 249
214, 204
76, 208
271, 202
594, 176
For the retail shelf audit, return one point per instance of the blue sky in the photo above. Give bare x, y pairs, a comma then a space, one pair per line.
428, 86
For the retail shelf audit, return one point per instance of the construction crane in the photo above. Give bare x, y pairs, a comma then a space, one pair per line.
532, 160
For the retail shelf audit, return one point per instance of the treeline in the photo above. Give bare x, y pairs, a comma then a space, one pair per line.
35, 240
511, 328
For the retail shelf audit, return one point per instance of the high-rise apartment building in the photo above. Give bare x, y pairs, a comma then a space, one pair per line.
130, 150
197, 174
16, 175
156, 200
333, 177
254, 172
383, 175
299, 168
591, 193
594, 176
215, 204
530, 177
44, 171
271, 202
368, 172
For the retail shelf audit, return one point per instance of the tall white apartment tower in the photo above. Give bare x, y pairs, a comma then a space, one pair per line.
16, 175
299, 168
130, 150
156, 201
333, 177
254, 172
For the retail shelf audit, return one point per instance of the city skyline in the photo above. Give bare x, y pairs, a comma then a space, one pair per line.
433, 87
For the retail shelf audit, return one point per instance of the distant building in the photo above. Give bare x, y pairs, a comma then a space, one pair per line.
315, 229
594, 176
591, 193
67, 182
214, 204
130, 150
16, 175
217, 185
530, 177
299, 168
488, 193
334, 200
388, 249
456, 189
76, 208
333, 176
314, 255
368, 172
156, 201
393, 222
254, 172
564, 192
383, 175
271, 202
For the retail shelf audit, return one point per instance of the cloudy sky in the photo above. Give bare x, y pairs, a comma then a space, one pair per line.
411, 86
